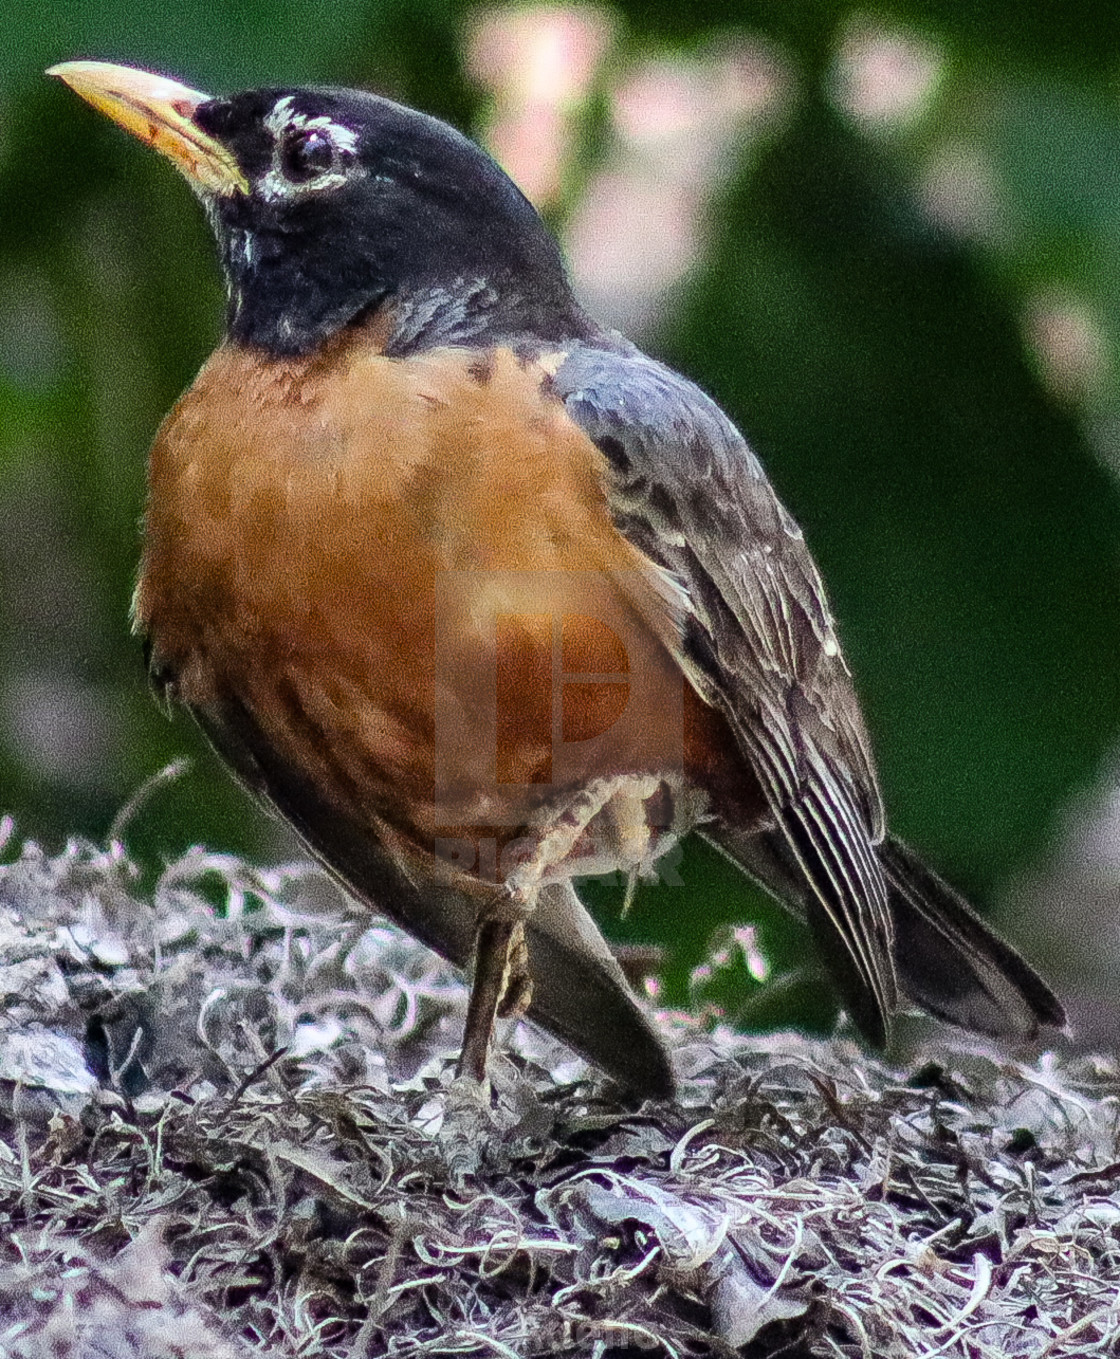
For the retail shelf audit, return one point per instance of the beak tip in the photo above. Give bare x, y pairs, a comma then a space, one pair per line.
160, 111
69, 71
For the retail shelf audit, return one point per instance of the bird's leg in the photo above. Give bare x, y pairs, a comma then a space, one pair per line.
502, 983
492, 949
468, 1129
502, 986
517, 993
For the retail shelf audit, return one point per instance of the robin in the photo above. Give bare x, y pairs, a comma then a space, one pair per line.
479, 597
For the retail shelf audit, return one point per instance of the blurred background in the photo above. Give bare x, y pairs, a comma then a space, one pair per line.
886, 238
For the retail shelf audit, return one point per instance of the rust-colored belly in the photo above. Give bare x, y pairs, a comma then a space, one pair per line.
407, 572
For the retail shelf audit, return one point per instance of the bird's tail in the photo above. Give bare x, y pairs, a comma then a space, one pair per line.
947, 959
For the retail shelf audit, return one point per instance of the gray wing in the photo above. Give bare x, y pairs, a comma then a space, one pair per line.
754, 635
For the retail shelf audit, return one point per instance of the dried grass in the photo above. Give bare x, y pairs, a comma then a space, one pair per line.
228, 1132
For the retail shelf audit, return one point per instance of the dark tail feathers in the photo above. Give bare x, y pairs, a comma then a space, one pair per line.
947, 959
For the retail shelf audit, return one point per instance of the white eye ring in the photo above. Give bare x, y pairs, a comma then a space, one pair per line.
309, 154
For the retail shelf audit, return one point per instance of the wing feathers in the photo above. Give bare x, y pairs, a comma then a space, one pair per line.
757, 641
846, 902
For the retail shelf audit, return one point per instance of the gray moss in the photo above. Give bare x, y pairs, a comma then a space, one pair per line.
228, 1129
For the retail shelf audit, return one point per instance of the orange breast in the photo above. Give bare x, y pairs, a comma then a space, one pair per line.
407, 570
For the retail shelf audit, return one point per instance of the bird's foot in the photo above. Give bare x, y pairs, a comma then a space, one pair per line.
469, 1129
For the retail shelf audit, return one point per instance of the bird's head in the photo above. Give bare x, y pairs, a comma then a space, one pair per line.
329, 204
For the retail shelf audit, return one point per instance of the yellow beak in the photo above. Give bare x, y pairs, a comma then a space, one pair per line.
161, 113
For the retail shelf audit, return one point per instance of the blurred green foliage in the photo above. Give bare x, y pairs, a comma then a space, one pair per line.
964, 513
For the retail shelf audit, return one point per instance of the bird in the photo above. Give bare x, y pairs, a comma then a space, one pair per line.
480, 598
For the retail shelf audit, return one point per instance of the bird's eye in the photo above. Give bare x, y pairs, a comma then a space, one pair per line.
307, 155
